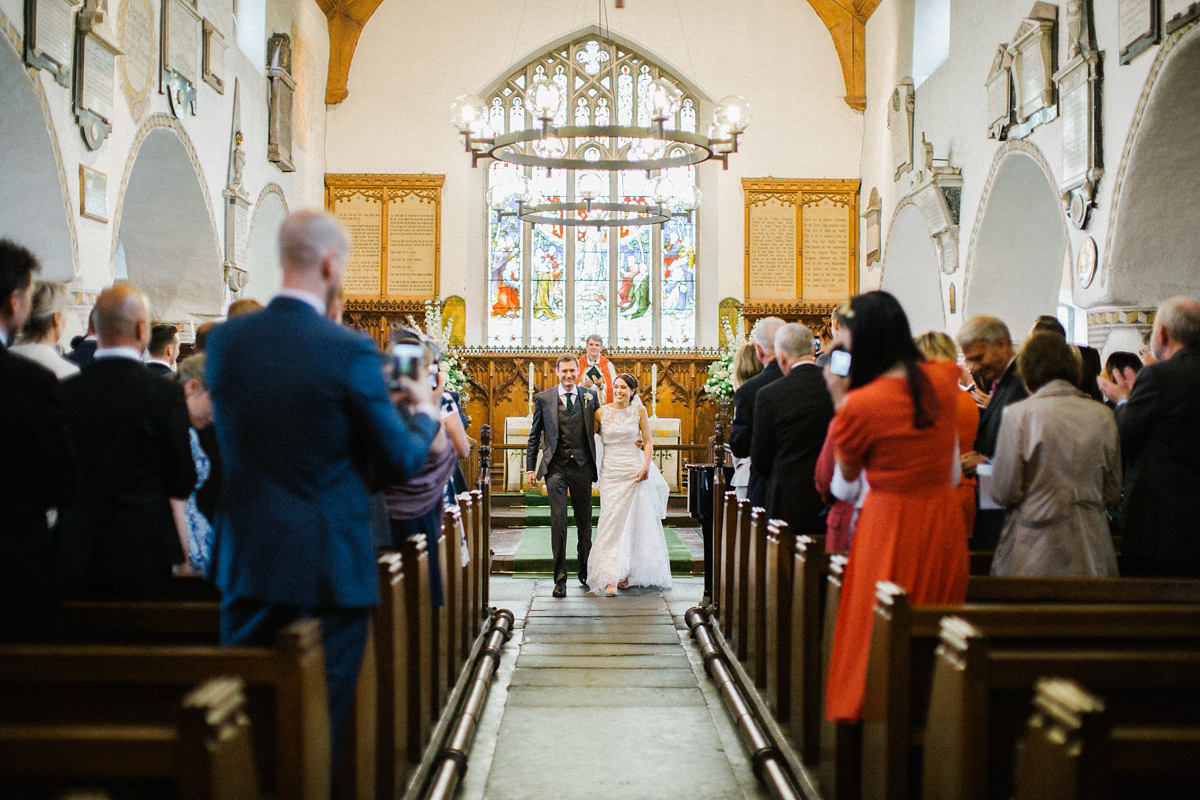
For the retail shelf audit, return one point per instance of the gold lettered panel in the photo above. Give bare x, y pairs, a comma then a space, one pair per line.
801, 240
395, 228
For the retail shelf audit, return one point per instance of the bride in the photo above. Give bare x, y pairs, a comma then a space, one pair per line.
630, 549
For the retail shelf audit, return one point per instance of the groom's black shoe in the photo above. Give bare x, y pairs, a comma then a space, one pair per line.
582, 579
560, 589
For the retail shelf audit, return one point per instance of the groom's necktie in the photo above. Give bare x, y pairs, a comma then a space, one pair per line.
570, 403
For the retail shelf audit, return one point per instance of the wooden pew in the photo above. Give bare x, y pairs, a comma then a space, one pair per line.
481, 546
981, 688
205, 754
780, 550
472, 597
106, 684
195, 588
454, 590
392, 670
810, 571
756, 598
838, 767
728, 547
1074, 750
904, 638
743, 553
419, 651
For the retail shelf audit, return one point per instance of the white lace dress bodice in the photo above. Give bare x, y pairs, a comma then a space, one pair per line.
630, 545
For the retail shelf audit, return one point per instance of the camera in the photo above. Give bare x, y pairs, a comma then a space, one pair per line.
839, 363
406, 363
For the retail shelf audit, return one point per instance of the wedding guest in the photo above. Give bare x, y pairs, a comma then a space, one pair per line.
741, 434
84, 352
243, 305
896, 419
1122, 364
187, 512
1057, 466
937, 346
163, 350
745, 366
43, 328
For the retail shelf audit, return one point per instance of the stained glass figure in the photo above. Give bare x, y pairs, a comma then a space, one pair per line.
548, 259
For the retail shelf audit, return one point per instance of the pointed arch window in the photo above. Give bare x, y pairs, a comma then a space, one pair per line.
553, 286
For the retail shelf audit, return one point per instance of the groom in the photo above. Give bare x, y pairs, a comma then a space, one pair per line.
564, 421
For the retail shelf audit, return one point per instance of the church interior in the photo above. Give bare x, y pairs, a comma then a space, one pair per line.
721, 162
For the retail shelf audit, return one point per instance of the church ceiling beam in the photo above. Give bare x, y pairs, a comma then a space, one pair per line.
346, 19
847, 24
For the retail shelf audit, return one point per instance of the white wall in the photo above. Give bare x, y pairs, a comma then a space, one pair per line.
414, 59
951, 111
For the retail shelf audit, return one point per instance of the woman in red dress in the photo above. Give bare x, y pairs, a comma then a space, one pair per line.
895, 419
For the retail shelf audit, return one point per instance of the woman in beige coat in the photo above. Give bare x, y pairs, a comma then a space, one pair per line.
1057, 466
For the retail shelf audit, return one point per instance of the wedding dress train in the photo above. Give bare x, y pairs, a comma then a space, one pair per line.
630, 546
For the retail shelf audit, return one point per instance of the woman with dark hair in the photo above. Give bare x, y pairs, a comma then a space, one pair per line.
1057, 466
630, 547
896, 419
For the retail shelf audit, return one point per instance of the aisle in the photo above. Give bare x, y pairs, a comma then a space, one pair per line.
607, 698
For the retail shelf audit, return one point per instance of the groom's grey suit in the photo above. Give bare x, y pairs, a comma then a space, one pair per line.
566, 439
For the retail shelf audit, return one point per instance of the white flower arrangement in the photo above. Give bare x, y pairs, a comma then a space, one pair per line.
719, 385
454, 377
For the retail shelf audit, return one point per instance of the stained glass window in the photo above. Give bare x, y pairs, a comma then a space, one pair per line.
552, 286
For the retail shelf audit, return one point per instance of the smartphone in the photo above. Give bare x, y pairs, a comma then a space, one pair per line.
406, 363
839, 363
434, 369
817, 344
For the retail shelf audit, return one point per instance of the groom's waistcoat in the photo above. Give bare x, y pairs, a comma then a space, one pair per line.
572, 441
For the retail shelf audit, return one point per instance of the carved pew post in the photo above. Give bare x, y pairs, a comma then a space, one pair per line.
781, 544
728, 564
420, 658
391, 653
756, 598
454, 594
840, 741
886, 712
741, 574
1064, 750
712, 553
810, 568
483, 510
440, 639
471, 598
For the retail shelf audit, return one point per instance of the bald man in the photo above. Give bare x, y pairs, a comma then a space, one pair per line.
741, 436
301, 412
130, 430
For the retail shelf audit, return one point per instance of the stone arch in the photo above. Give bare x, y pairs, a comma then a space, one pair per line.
165, 229
910, 269
262, 249
1019, 241
1152, 237
38, 212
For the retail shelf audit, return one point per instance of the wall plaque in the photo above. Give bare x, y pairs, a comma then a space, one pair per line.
95, 68
1177, 13
1033, 49
93, 194
279, 73
872, 233
801, 240
214, 57
395, 230
50, 36
900, 125
135, 30
181, 27
1079, 100
999, 94
1137, 27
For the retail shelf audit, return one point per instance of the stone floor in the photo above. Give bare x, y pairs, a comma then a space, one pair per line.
602, 697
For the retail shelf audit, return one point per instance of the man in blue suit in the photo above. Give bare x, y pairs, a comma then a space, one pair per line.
302, 413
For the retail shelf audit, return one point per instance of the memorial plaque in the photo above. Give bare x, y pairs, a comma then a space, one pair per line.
1075, 133
1177, 13
181, 39
772, 261
827, 254
1137, 27
283, 86
412, 247
999, 93
97, 76
214, 57
1033, 49
50, 36
93, 194
900, 125
801, 240
135, 28
241, 242
363, 217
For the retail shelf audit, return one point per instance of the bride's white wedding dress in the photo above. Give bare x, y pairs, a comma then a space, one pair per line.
630, 545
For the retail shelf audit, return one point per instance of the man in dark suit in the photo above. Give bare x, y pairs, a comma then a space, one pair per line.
163, 350
37, 471
741, 437
989, 354
1158, 415
302, 413
130, 431
564, 424
791, 417
85, 352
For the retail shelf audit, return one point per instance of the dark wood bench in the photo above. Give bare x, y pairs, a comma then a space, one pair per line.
780, 583
982, 687
904, 638
810, 570
141, 684
205, 754
1074, 750
726, 544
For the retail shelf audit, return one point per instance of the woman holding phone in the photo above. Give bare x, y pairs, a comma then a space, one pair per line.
895, 418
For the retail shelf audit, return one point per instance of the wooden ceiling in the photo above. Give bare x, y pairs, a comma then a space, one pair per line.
845, 19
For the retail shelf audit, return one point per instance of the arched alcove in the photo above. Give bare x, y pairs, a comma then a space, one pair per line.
166, 227
1154, 236
262, 251
910, 270
37, 212
1015, 264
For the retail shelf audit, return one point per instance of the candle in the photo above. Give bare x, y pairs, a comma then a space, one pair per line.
531, 388
654, 390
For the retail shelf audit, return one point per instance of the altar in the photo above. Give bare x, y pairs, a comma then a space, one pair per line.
663, 431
